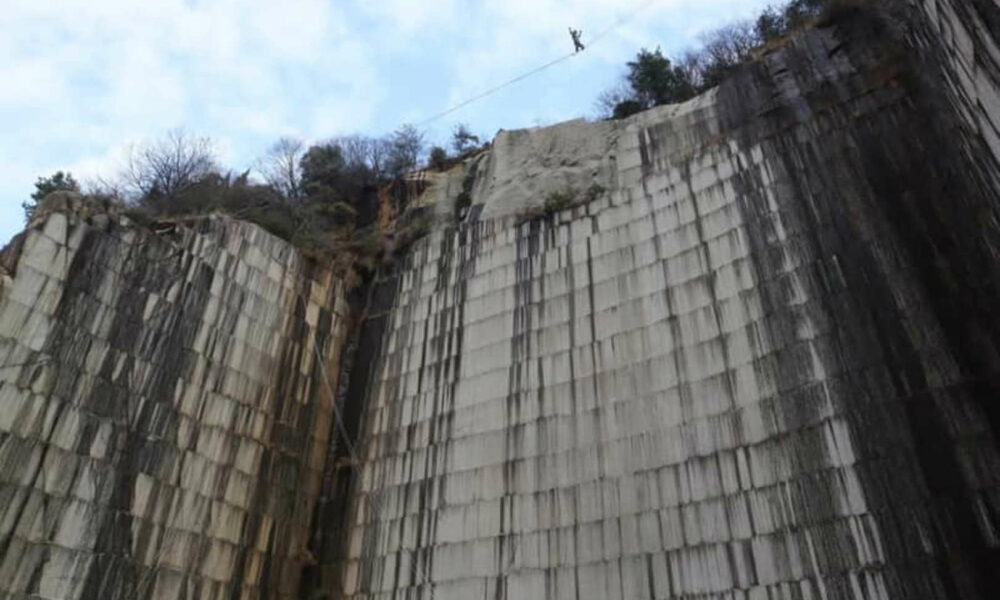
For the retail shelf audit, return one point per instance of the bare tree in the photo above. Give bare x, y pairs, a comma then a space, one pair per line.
365, 156
281, 167
732, 44
378, 156
107, 187
355, 149
724, 49
610, 98
168, 166
692, 65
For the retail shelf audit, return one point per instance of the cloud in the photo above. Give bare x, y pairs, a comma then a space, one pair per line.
411, 18
514, 37
84, 78
145, 67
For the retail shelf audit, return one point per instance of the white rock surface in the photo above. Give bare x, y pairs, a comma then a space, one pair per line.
526, 166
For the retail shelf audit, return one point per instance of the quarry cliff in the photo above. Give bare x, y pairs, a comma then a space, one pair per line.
744, 347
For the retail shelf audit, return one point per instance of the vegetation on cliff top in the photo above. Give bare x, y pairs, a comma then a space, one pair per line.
326, 197
652, 79
57, 182
323, 198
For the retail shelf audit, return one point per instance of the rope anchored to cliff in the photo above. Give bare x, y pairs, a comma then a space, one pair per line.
355, 461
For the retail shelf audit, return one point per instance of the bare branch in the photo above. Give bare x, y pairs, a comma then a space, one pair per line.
612, 97
405, 146
168, 166
280, 167
462, 138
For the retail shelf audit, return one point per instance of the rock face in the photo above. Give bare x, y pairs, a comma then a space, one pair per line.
165, 412
763, 363
741, 348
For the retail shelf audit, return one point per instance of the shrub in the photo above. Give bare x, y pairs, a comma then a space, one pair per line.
367, 247
595, 191
44, 186
464, 198
417, 228
438, 158
337, 213
627, 108
559, 200
530, 213
280, 223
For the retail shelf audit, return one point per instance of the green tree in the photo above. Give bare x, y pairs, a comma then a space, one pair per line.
462, 138
323, 168
336, 176
58, 181
654, 80
626, 108
438, 158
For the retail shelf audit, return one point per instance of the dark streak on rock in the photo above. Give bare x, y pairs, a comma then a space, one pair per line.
867, 171
142, 411
528, 244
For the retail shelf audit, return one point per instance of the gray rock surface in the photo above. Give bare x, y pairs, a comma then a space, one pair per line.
164, 409
526, 166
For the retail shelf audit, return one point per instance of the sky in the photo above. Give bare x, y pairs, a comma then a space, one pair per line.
83, 80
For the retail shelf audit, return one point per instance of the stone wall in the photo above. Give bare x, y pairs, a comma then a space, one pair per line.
165, 411
761, 365
745, 348
962, 37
